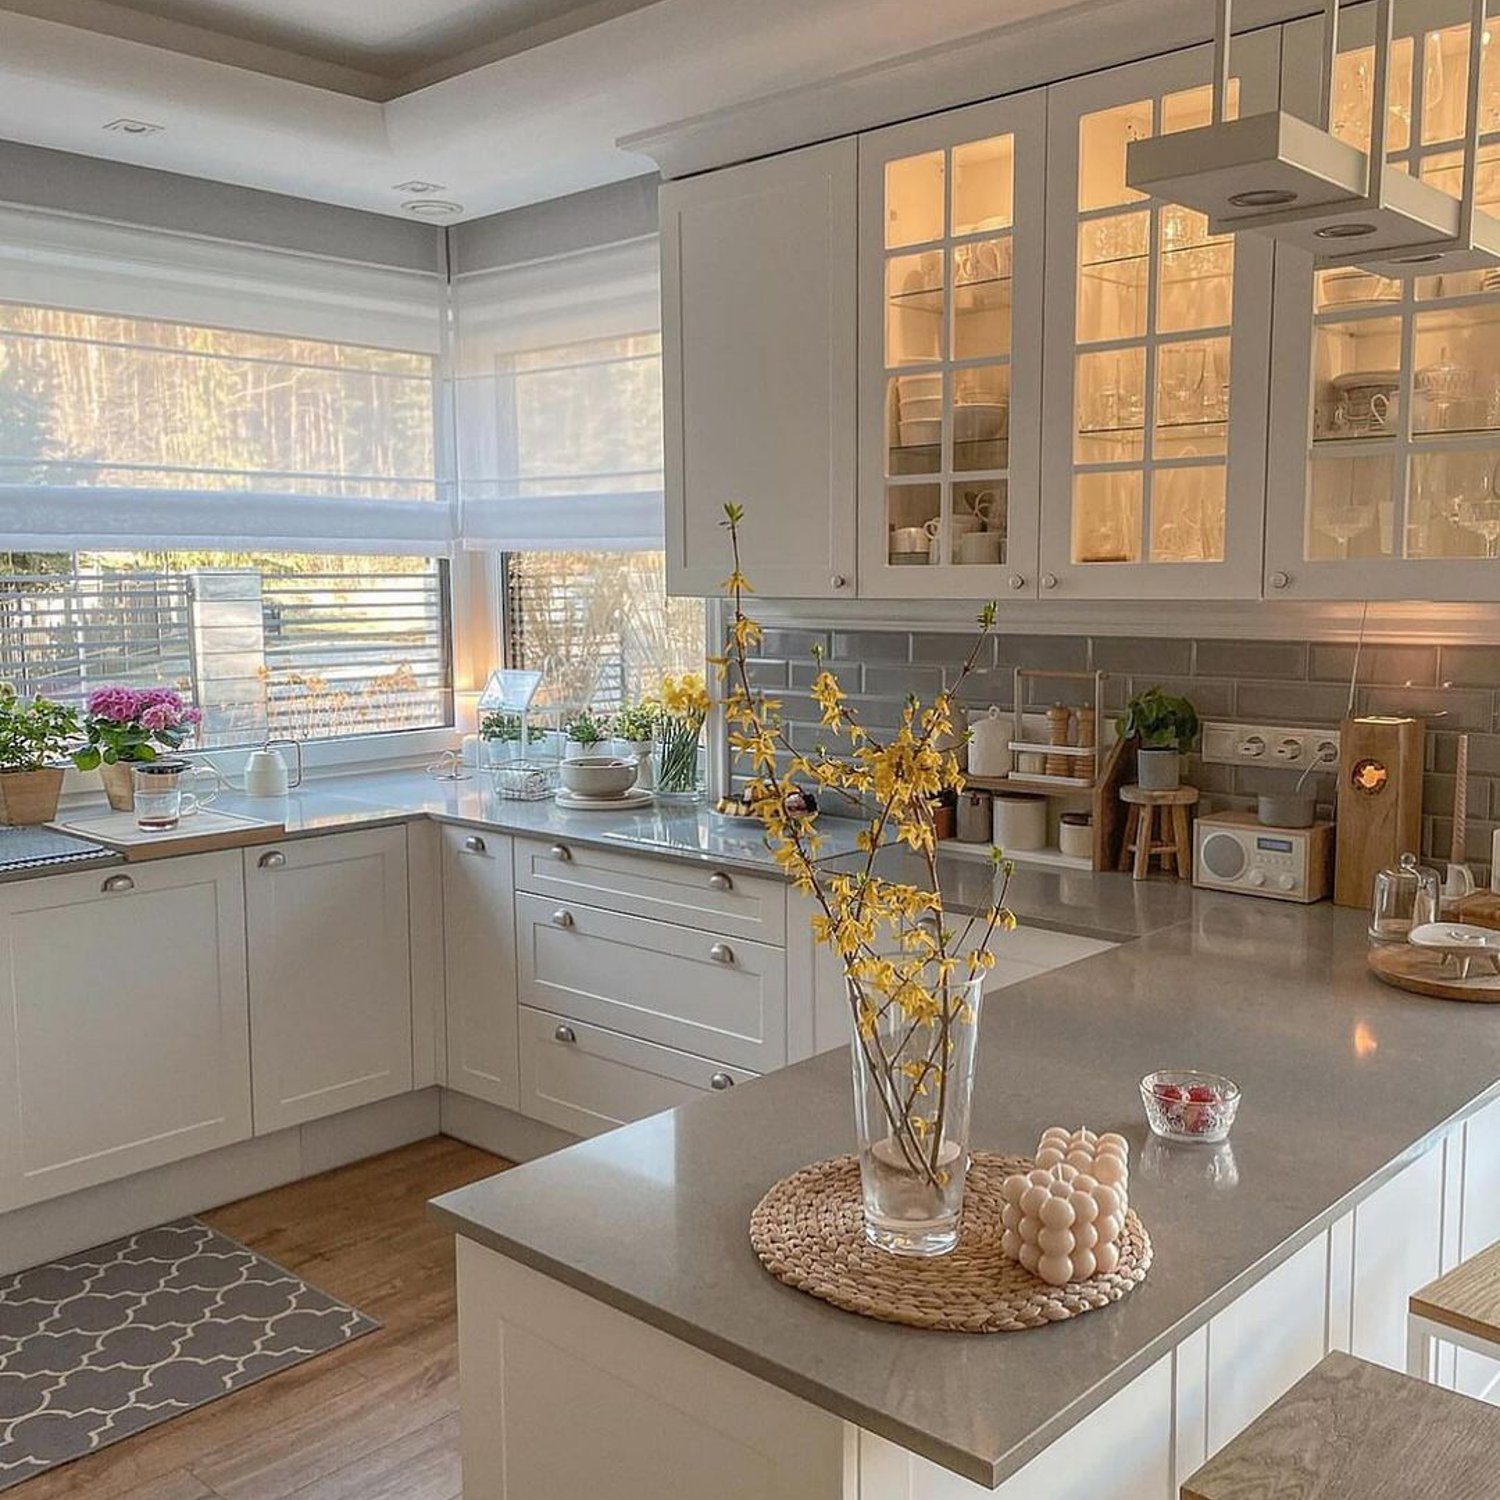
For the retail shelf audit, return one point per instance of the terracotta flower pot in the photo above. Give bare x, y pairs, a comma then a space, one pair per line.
119, 785
30, 797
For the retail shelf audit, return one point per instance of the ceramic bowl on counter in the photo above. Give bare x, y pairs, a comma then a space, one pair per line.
598, 775
1183, 1104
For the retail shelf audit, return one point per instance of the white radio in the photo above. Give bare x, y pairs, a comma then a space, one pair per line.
1234, 852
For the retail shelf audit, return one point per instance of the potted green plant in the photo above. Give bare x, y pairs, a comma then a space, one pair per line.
635, 729
585, 732
35, 735
501, 731
1165, 726
124, 727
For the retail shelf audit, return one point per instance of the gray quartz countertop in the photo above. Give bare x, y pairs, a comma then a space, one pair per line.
1343, 1079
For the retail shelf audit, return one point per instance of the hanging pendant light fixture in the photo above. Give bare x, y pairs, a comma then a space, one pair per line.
1296, 181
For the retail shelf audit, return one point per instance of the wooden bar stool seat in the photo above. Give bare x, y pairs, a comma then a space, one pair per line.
1461, 1307
1158, 825
1350, 1430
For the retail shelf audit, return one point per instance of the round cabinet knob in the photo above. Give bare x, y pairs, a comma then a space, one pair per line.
474, 845
1279, 580
562, 918
562, 853
1049, 580
720, 881
721, 1081
721, 953
838, 581
565, 1034
1017, 580
1256, 877
114, 884
272, 861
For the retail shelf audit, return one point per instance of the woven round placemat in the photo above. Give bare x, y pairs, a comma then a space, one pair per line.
809, 1232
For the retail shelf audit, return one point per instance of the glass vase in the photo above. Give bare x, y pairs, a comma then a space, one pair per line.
676, 765
913, 1085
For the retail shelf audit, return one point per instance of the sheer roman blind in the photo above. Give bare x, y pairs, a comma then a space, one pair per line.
557, 402
158, 390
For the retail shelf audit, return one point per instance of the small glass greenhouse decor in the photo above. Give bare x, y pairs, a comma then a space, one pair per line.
522, 743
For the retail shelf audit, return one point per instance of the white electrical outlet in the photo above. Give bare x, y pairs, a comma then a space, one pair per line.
1267, 745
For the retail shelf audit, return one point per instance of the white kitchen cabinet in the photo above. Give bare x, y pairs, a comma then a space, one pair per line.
124, 1038
758, 356
330, 975
1157, 370
479, 944
950, 269
1385, 417
1479, 1227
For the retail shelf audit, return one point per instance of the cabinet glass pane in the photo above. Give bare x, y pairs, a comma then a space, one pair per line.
1110, 406
982, 299
1445, 170
1357, 379
914, 424
1191, 108
1195, 284
1350, 509
914, 200
1445, 82
981, 418
1107, 517
1456, 369
1192, 398
984, 185
914, 308
1350, 287
1354, 92
1103, 138
1187, 514
977, 534
1113, 276
1455, 507
912, 516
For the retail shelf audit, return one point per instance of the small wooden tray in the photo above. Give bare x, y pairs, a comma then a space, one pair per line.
1423, 972
201, 832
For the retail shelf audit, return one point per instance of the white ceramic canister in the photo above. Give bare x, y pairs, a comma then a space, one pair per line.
1020, 821
989, 744
1075, 834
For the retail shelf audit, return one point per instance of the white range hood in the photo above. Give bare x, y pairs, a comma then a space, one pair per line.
1293, 179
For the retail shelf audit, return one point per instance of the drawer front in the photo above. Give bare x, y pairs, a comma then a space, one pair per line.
712, 996
585, 1079
724, 902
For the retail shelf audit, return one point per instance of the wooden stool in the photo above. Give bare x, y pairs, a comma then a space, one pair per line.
1461, 1307
1176, 838
1356, 1431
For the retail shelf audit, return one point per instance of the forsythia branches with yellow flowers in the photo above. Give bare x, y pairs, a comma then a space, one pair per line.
906, 971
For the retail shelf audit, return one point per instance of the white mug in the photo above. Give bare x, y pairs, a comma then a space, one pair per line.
979, 547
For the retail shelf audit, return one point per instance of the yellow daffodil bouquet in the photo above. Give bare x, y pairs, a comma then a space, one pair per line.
681, 710
913, 979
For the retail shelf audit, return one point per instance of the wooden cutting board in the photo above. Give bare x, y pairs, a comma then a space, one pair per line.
1423, 972
201, 832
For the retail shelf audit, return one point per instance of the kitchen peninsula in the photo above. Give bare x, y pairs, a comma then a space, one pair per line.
618, 1335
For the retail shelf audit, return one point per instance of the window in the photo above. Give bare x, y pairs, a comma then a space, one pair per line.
279, 644
599, 625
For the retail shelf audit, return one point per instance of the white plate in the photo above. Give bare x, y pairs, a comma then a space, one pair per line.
623, 803
1360, 380
1455, 937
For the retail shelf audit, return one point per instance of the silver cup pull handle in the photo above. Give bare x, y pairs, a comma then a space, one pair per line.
272, 861
474, 844
562, 917
565, 1034
720, 881
721, 1081
115, 884
562, 853
721, 953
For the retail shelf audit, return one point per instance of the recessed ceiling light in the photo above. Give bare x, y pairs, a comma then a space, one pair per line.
1263, 198
433, 208
1344, 231
126, 126
416, 185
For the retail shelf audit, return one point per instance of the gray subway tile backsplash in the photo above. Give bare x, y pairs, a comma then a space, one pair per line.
1457, 688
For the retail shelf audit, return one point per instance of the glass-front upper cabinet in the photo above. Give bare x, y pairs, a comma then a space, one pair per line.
1157, 349
951, 216
1385, 468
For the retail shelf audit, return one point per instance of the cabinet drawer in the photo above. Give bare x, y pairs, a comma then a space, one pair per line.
726, 902
717, 997
586, 1080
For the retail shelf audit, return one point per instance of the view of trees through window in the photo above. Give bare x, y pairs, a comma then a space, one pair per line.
599, 625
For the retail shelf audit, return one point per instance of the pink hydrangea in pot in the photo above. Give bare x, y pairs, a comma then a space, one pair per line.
125, 726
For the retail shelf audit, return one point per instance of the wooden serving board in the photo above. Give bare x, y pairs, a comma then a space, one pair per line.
1423, 972
201, 832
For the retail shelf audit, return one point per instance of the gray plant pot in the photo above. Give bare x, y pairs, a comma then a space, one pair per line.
1158, 770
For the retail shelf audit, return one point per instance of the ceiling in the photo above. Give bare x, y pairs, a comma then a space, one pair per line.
494, 103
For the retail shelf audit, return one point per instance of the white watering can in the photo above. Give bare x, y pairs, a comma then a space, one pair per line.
266, 773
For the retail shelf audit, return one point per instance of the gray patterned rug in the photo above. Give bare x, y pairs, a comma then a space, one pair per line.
106, 1343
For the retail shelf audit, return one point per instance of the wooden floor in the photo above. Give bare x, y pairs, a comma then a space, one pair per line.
375, 1420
